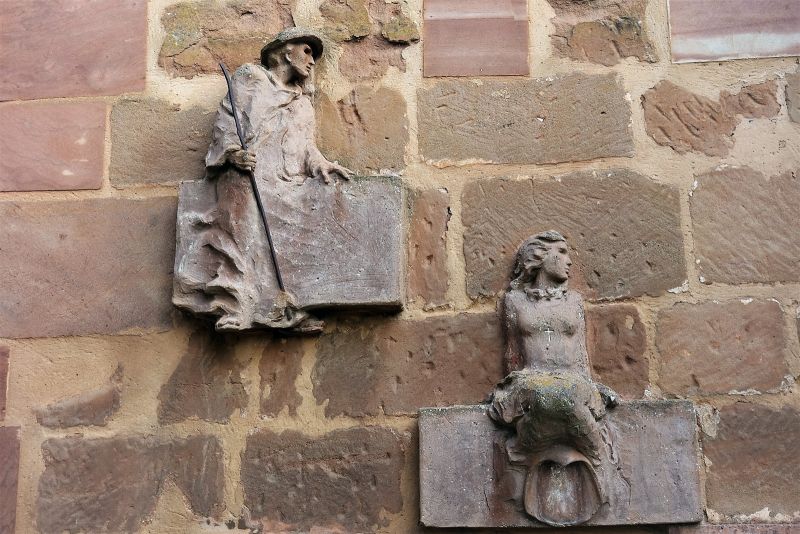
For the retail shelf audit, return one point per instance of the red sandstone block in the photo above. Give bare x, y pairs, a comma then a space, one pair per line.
52, 146
9, 472
3, 380
72, 48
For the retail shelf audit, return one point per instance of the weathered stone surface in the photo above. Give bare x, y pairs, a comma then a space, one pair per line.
96, 485
52, 146
602, 31
201, 34
92, 408
155, 142
9, 474
716, 347
427, 252
279, 368
347, 479
624, 227
4, 361
458, 488
793, 96
616, 340
356, 226
685, 121
207, 383
709, 31
576, 117
753, 461
48, 51
346, 19
366, 131
370, 58
739, 226
749, 528
396, 367
88, 267
475, 38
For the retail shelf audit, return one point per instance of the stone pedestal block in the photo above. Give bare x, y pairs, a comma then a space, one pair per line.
466, 481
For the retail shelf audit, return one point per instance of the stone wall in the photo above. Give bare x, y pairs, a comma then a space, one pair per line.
677, 185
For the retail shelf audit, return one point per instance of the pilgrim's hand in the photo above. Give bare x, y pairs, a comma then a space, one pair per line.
325, 170
610, 397
243, 160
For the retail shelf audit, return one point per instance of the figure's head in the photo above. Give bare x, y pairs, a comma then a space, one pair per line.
543, 254
296, 48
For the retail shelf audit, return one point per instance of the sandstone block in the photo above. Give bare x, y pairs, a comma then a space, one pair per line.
793, 95
88, 409
576, 117
367, 131
201, 34
740, 230
748, 528
88, 267
279, 368
93, 485
396, 367
52, 146
207, 384
9, 474
463, 487
717, 348
154, 142
625, 230
753, 461
347, 480
4, 357
616, 340
475, 38
48, 51
427, 253
685, 121
346, 19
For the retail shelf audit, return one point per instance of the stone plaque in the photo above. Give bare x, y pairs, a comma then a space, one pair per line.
657, 479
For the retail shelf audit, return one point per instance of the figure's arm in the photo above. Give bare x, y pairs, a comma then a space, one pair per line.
226, 148
513, 358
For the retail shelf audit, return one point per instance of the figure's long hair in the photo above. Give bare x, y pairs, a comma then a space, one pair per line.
531, 251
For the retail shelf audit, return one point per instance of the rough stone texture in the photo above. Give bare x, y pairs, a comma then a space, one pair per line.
279, 369
575, 117
4, 361
347, 479
625, 230
99, 485
9, 474
396, 367
616, 340
793, 95
366, 131
475, 38
49, 50
372, 35
735, 529
52, 146
155, 142
88, 409
356, 226
603, 32
752, 461
89, 267
207, 383
462, 487
710, 31
685, 121
427, 252
739, 221
200, 35
717, 347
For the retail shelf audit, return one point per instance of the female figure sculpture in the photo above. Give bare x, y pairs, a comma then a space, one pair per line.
548, 399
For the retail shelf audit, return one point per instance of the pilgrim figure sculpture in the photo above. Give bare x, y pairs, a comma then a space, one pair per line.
227, 272
548, 401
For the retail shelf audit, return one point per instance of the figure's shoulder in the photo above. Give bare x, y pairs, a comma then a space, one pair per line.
251, 71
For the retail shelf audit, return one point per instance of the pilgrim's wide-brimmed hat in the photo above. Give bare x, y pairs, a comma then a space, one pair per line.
294, 35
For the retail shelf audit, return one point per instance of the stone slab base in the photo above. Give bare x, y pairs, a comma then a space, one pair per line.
466, 482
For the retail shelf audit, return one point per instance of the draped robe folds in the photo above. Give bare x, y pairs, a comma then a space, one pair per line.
227, 271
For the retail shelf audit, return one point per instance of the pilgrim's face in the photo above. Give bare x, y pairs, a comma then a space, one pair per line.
557, 261
301, 58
